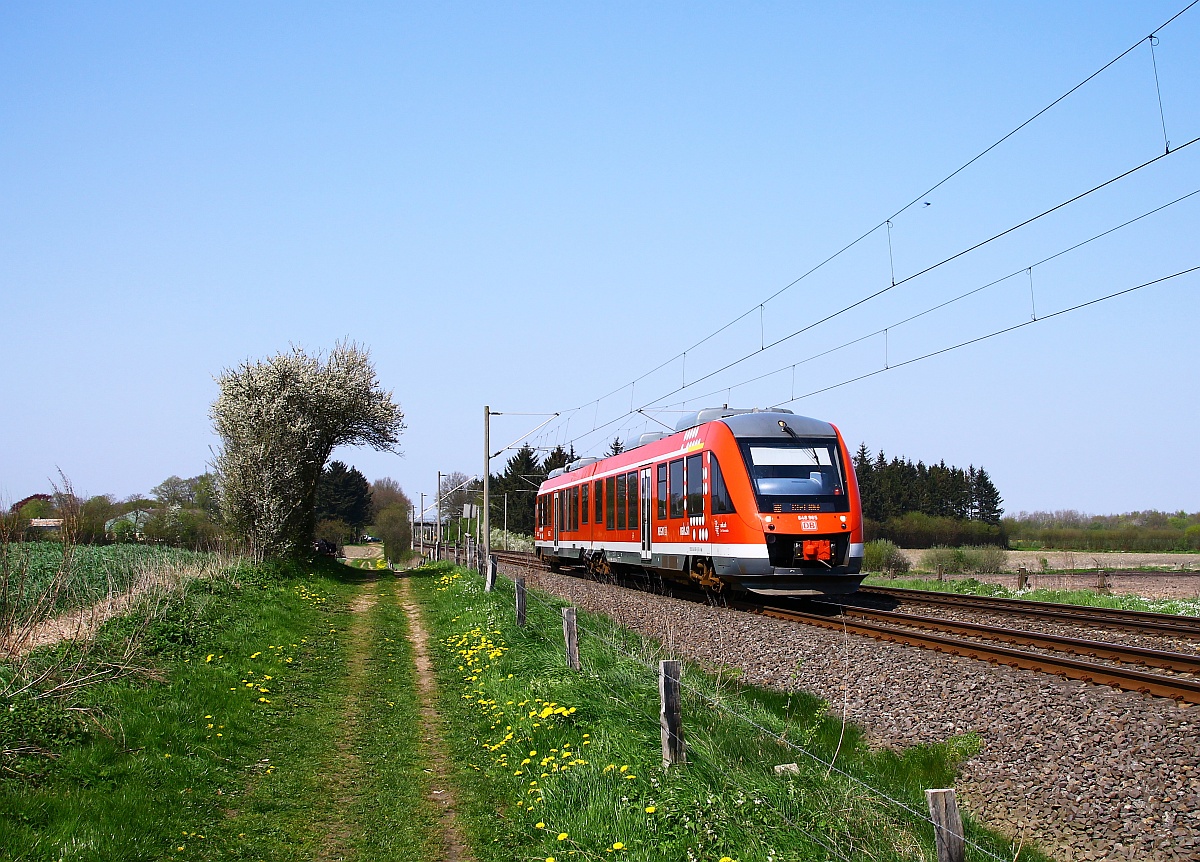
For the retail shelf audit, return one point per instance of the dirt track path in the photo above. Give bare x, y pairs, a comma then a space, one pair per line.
344, 782
441, 788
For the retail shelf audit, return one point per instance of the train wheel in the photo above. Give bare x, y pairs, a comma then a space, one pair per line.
702, 572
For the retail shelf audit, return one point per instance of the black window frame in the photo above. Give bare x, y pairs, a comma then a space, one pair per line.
584, 503
676, 489
661, 491
610, 502
693, 472
719, 499
622, 500
633, 498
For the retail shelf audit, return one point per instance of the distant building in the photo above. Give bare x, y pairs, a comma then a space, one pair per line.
130, 525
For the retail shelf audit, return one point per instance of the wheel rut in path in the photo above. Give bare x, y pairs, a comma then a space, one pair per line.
441, 790
344, 782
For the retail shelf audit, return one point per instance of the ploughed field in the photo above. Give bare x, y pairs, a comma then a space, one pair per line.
1081, 770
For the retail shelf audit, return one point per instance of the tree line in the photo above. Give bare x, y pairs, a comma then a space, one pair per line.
893, 488
919, 506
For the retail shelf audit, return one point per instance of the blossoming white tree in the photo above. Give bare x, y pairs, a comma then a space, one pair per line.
279, 420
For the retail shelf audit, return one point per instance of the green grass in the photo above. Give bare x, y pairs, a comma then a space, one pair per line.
234, 744
1088, 598
554, 763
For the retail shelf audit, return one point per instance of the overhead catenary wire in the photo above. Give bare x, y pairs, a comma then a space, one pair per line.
938, 306
1007, 329
835, 314
918, 198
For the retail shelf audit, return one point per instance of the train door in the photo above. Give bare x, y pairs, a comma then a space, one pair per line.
558, 516
646, 502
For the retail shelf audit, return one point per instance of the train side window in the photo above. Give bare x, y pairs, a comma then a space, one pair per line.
722, 503
599, 501
631, 481
662, 492
610, 501
573, 515
675, 489
622, 495
583, 509
695, 484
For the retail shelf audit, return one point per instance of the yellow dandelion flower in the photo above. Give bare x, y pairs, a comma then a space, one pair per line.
541, 825
617, 845
650, 809
562, 836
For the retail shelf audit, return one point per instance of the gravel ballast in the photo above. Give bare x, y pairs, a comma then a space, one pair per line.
1082, 771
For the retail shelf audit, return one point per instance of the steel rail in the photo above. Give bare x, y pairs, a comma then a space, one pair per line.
1139, 621
1185, 689
1177, 688
1160, 659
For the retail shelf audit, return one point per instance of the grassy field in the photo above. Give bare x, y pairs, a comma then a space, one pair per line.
272, 719
274, 714
557, 764
1089, 598
41, 574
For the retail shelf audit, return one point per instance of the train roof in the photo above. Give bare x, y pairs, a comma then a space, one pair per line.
757, 422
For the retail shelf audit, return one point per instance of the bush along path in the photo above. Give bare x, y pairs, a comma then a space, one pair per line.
275, 716
555, 764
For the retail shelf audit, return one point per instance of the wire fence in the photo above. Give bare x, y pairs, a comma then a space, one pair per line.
617, 638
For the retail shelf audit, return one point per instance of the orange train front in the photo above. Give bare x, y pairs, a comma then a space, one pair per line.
761, 500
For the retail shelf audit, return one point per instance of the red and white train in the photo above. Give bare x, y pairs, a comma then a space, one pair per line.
761, 500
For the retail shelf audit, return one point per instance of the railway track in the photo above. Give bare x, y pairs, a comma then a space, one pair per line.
1047, 653
1137, 621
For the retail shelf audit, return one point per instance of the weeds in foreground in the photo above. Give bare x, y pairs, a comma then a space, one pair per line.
55, 598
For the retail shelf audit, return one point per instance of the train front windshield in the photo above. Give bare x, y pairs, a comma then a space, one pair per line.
796, 475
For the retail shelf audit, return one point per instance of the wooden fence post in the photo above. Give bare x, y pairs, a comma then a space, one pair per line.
489, 580
670, 716
671, 713
947, 826
520, 590
1022, 577
571, 636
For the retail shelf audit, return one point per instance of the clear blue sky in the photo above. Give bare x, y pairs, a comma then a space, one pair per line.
530, 205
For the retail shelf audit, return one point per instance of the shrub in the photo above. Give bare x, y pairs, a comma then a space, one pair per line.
916, 530
939, 558
988, 559
883, 556
983, 559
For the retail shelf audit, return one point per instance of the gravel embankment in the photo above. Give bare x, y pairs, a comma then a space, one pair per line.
1082, 771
